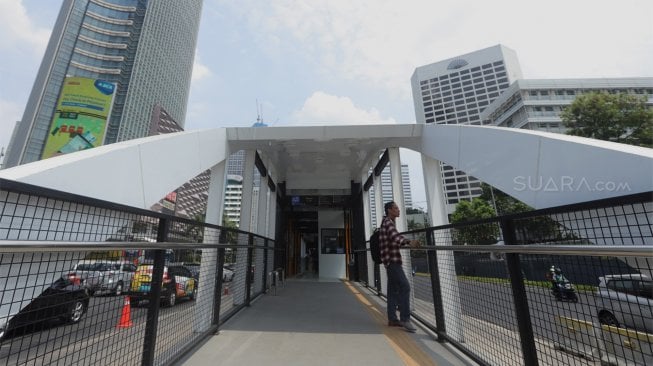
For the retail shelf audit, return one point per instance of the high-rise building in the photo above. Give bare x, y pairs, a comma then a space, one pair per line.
386, 190
236, 162
456, 91
537, 104
142, 51
232, 197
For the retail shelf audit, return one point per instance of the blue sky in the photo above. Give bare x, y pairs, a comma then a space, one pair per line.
350, 62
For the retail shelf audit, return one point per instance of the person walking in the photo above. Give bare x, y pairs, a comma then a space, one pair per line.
390, 241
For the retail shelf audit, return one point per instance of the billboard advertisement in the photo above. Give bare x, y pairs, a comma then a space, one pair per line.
80, 120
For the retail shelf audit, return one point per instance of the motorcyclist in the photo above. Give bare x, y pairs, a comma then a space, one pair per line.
560, 286
557, 279
557, 276
549, 274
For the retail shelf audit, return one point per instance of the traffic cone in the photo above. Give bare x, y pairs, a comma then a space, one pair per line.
226, 290
125, 317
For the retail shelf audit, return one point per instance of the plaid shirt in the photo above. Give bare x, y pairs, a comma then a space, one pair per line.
390, 241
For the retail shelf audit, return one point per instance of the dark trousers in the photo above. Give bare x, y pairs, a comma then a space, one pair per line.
398, 293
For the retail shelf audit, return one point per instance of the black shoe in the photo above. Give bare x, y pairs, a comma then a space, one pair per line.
394, 323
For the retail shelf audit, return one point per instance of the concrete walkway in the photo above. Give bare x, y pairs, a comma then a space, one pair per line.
319, 323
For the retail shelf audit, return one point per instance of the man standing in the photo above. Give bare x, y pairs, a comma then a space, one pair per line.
398, 287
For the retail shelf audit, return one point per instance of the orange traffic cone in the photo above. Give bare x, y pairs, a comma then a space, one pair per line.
125, 317
226, 290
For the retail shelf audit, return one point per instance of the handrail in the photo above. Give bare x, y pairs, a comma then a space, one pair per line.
585, 250
10, 246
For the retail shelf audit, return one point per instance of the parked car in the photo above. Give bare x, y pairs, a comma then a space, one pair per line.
104, 276
63, 300
194, 269
626, 300
178, 282
227, 273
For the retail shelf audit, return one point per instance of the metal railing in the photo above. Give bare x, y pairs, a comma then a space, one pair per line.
84, 281
498, 303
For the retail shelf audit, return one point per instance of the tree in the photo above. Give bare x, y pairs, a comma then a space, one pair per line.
231, 226
505, 204
620, 118
532, 230
479, 234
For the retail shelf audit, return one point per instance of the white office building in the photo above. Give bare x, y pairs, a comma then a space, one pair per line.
537, 104
232, 197
456, 91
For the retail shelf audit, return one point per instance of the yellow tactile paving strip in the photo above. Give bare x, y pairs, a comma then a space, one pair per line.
400, 340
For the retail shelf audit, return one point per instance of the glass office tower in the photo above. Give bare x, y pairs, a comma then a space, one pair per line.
145, 48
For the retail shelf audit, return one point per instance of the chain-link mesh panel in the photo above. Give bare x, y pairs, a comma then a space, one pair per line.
68, 308
597, 307
29, 217
258, 267
240, 268
97, 305
507, 307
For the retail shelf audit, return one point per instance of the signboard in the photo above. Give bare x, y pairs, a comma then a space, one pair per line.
80, 121
169, 201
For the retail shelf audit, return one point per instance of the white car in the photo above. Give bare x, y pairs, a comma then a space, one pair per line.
104, 276
227, 275
626, 300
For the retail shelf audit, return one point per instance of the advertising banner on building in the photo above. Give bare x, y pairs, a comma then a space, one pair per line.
80, 121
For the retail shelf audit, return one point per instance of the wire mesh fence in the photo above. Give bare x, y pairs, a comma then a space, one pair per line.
567, 285
88, 282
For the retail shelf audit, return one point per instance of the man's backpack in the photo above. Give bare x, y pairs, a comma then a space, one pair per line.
375, 248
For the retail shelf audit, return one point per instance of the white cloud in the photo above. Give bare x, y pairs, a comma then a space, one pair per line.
200, 71
380, 42
18, 30
324, 109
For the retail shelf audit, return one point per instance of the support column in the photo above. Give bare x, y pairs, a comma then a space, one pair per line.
381, 275
245, 225
367, 222
261, 221
204, 305
272, 216
401, 222
397, 187
435, 202
367, 215
261, 229
271, 229
378, 201
248, 188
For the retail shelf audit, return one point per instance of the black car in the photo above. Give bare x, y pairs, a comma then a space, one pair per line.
63, 300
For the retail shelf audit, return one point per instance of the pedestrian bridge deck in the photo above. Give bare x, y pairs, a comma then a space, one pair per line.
311, 322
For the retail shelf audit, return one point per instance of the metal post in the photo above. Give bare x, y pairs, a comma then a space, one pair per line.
265, 264
152, 322
218, 288
377, 279
519, 297
248, 275
432, 256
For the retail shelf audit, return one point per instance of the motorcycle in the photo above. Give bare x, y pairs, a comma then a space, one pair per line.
564, 291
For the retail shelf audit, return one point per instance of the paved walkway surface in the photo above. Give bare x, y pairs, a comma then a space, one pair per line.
310, 322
